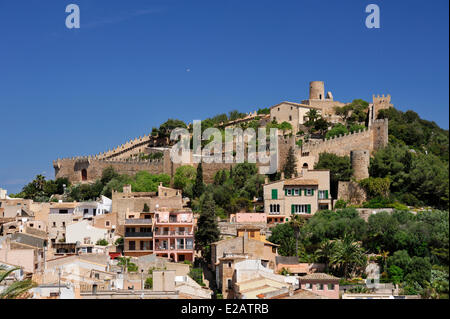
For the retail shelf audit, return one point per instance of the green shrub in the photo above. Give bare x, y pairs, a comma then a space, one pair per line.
340, 203
102, 242
148, 283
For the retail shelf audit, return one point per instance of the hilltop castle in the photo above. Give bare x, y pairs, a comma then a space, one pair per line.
125, 158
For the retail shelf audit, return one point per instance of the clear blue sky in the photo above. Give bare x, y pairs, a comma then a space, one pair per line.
78, 92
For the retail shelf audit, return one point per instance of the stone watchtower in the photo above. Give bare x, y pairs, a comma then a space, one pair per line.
317, 90
360, 160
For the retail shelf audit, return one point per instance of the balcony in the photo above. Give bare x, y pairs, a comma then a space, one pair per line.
173, 248
173, 233
173, 221
138, 234
138, 221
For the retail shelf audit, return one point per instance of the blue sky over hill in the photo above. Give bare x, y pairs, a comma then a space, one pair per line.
134, 64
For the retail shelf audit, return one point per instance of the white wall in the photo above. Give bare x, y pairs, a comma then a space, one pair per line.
78, 231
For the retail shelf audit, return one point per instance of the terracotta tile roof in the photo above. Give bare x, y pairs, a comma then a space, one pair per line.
300, 182
297, 104
299, 294
317, 276
64, 205
296, 269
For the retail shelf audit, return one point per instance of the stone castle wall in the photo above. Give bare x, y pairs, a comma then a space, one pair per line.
371, 139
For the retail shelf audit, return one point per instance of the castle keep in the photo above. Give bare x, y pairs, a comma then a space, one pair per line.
126, 159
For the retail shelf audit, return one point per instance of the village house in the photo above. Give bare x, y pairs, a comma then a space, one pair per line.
24, 250
84, 233
141, 202
321, 284
61, 215
250, 278
166, 232
303, 195
248, 242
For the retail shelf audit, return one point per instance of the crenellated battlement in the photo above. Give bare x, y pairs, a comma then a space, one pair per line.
370, 139
123, 149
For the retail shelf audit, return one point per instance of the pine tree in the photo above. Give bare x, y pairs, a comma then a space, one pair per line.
207, 228
198, 187
290, 168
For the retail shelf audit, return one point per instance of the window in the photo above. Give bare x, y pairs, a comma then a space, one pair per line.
146, 245
84, 175
64, 224
230, 284
132, 245
229, 264
290, 117
330, 286
309, 192
301, 209
308, 286
97, 276
107, 223
63, 211
275, 208
319, 286
289, 192
323, 194
86, 211
297, 192
274, 193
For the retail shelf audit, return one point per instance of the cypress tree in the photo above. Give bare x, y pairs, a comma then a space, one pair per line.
290, 168
207, 228
198, 187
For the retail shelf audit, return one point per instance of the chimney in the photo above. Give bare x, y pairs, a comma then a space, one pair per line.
266, 180
127, 189
245, 242
282, 176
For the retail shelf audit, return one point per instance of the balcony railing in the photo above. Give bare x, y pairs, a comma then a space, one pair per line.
173, 233
139, 234
173, 221
138, 221
165, 248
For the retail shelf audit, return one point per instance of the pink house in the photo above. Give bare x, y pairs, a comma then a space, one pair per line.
174, 234
320, 284
249, 218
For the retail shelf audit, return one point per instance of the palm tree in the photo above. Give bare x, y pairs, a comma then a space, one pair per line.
325, 252
384, 255
312, 115
16, 289
296, 223
348, 256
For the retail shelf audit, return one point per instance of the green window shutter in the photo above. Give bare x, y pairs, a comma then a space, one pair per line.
309, 209
305, 191
274, 193
285, 192
292, 209
326, 194
312, 192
